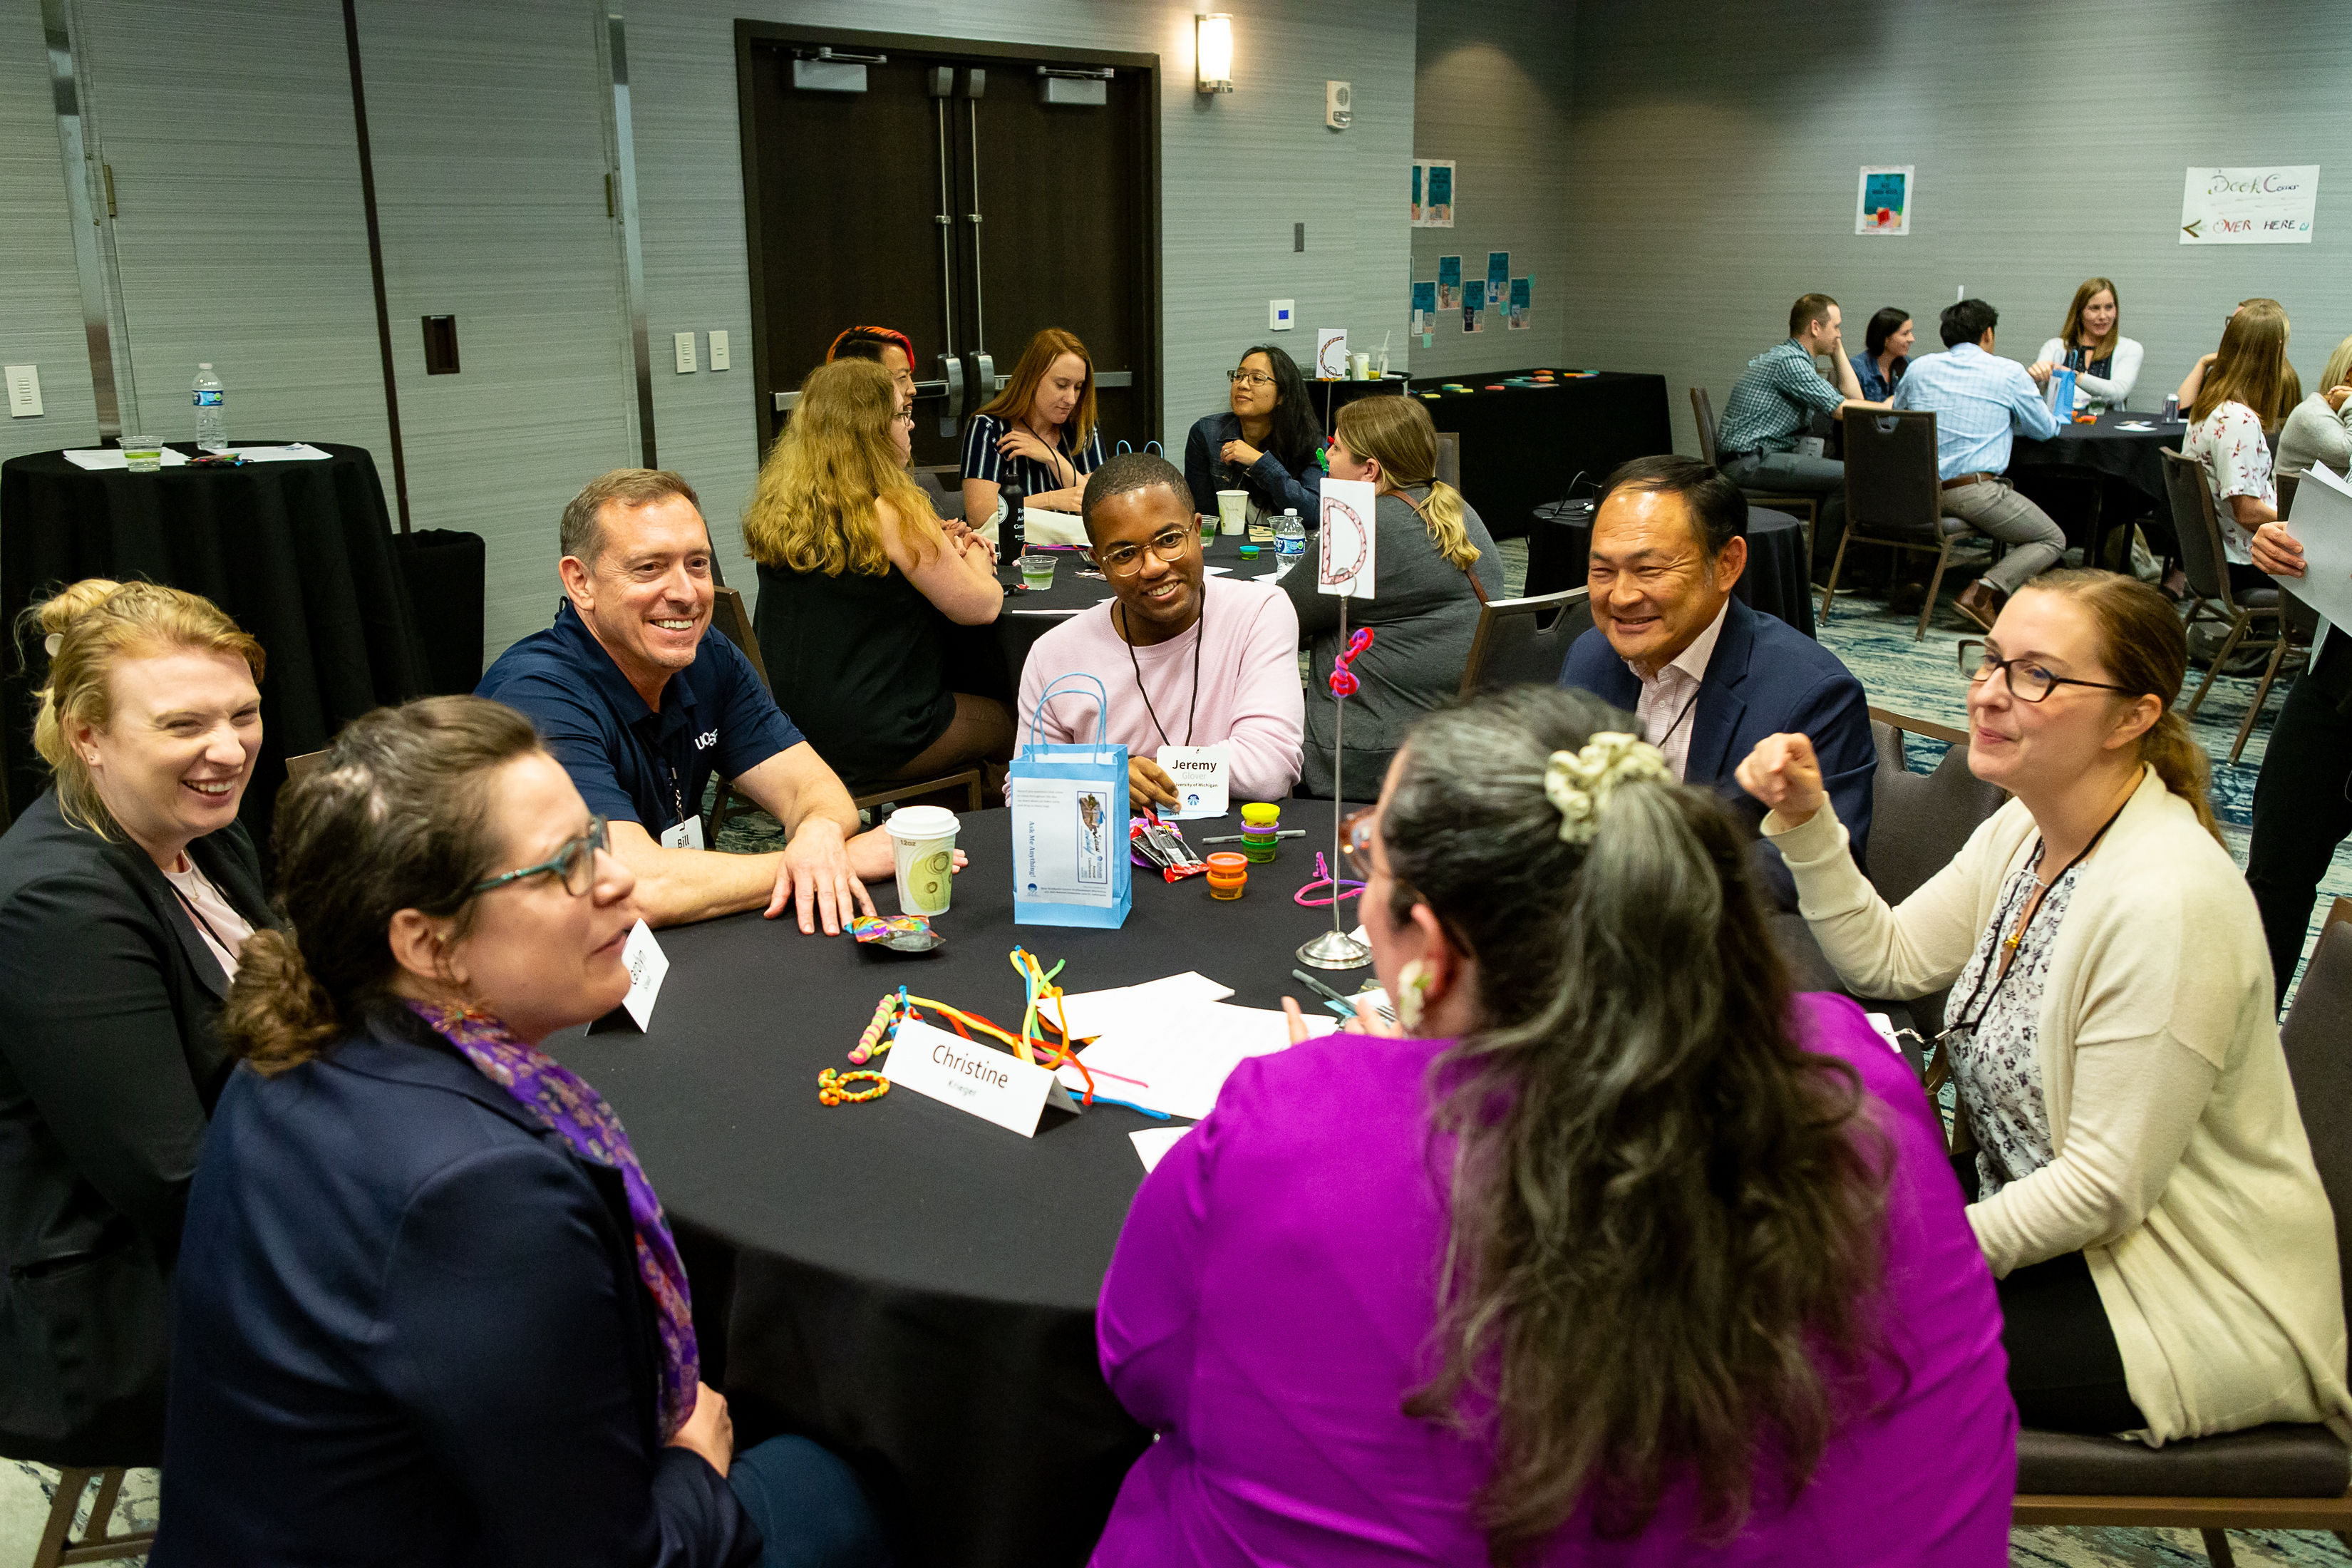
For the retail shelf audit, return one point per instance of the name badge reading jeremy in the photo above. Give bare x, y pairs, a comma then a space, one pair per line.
1200, 774
992, 1085
648, 963
686, 834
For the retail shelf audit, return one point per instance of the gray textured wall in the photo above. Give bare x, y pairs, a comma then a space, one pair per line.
1717, 146
1491, 92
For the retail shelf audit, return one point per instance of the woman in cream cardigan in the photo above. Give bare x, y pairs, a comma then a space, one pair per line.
2165, 1255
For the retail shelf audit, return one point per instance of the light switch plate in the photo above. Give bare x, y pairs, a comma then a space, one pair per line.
719, 359
685, 341
24, 391
1281, 315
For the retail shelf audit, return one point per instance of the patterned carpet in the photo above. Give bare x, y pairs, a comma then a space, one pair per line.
1920, 678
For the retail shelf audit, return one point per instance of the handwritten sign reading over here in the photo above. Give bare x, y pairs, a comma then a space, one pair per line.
2249, 207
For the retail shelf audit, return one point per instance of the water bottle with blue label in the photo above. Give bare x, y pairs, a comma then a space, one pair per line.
211, 410
1289, 538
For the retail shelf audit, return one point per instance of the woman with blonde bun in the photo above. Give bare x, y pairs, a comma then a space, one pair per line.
127, 892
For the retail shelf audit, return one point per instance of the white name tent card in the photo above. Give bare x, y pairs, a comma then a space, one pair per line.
1200, 773
1345, 564
648, 965
992, 1085
1152, 1144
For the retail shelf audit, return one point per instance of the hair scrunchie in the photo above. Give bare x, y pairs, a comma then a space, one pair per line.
1579, 782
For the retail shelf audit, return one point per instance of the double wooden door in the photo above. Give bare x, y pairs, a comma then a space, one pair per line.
969, 195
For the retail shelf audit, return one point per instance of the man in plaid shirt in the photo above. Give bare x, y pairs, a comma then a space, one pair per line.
1774, 403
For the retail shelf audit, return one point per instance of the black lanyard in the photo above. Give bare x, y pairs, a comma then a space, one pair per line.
676, 793
1200, 627
1992, 961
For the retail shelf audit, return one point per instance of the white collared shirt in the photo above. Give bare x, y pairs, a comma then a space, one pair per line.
1670, 697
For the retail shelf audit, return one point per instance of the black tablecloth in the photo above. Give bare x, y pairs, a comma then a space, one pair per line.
2104, 448
300, 554
908, 1284
1524, 446
1776, 581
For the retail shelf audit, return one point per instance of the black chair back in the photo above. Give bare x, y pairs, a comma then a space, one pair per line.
1891, 486
1449, 458
727, 612
1919, 821
944, 486
1702, 411
2317, 1035
2198, 528
1514, 646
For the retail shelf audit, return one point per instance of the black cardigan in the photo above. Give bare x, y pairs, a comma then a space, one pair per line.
109, 1067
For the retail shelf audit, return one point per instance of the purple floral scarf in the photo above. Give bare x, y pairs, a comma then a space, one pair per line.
579, 1116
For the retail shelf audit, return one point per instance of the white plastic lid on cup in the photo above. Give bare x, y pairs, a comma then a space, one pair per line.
914, 822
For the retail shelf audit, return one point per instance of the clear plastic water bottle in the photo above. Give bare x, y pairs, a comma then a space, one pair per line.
211, 410
1289, 538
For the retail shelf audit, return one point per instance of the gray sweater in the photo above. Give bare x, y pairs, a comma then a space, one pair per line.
1422, 615
2315, 433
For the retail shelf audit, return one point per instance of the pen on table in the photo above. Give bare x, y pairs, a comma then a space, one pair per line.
1237, 837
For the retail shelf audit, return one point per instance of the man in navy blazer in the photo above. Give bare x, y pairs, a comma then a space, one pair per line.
1707, 675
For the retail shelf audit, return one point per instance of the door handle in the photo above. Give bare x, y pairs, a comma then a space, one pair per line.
979, 377
951, 374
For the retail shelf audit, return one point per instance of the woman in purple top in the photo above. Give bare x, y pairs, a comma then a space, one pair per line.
1629, 1257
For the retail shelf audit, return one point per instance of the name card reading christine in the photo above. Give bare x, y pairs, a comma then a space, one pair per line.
990, 1084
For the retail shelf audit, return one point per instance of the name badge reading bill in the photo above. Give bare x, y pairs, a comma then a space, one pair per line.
648, 963
686, 834
993, 1085
1200, 773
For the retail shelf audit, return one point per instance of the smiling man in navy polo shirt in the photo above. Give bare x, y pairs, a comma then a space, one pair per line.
642, 700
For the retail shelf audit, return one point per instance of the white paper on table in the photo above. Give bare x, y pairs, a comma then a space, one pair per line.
1152, 1144
1176, 1059
2322, 523
1344, 560
110, 457
1091, 1013
300, 452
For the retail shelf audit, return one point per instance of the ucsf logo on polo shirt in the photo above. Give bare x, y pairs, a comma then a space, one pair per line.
706, 739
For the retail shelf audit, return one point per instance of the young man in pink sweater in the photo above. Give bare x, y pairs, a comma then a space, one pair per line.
1187, 659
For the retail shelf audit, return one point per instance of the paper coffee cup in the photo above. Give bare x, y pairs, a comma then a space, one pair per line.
1233, 510
1363, 363
922, 839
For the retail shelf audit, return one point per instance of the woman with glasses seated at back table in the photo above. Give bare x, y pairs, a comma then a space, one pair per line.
859, 585
430, 1310
1264, 443
1038, 434
2146, 1193
1617, 1257
1434, 564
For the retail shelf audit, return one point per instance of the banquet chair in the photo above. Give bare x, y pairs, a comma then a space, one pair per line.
1702, 411
1919, 821
1449, 458
2198, 521
1514, 647
943, 483
99, 1543
302, 767
2282, 1476
728, 613
1894, 498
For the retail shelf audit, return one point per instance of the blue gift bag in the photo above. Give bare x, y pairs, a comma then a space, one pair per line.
1070, 864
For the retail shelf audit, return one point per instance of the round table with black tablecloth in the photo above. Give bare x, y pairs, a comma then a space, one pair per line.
1775, 581
2120, 468
300, 554
1523, 445
909, 1285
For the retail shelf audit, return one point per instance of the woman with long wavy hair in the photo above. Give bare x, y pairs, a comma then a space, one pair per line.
1621, 1254
859, 584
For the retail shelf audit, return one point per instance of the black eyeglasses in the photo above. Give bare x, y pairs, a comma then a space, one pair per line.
2027, 682
574, 862
1250, 377
1124, 560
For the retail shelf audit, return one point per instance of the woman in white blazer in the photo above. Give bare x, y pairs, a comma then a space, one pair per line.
2146, 1198
2091, 343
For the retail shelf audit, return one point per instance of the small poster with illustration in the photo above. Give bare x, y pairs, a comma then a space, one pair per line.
1449, 282
1884, 203
1437, 195
1424, 307
1498, 278
1522, 295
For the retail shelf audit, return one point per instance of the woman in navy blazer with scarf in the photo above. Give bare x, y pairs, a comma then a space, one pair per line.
429, 1307
126, 892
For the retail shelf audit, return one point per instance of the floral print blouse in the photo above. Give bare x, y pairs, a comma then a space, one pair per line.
1994, 1069
2229, 442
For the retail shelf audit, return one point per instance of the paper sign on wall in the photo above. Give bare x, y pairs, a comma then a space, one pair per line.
1331, 352
1437, 204
2249, 207
993, 1085
1883, 202
1449, 282
1498, 278
1522, 297
1345, 565
1424, 307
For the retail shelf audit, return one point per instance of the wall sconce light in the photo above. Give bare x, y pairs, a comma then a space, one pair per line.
1214, 38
